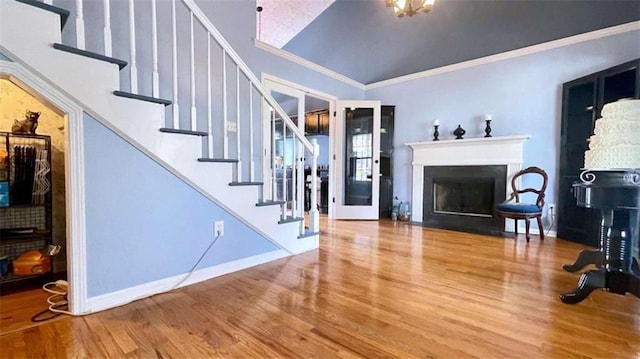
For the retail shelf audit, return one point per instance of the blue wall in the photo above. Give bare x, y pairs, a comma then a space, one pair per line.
323, 143
523, 94
145, 224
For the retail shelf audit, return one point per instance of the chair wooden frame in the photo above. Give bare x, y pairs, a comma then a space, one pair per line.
502, 215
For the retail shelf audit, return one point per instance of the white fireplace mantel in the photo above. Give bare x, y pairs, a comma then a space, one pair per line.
487, 151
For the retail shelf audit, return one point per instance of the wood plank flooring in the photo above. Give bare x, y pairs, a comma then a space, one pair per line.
373, 289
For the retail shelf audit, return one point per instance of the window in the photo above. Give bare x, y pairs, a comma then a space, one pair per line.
362, 153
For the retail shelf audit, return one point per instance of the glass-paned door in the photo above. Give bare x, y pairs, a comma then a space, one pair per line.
358, 159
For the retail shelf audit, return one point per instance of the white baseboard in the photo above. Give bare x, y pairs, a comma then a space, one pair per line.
128, 295
534, 231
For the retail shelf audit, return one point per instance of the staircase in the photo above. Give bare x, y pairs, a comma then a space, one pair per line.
217, 130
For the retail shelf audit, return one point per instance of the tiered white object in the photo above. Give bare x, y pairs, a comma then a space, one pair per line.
616, 139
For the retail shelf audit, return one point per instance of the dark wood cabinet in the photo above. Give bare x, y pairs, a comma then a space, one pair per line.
386, 161
582, 101
316, 123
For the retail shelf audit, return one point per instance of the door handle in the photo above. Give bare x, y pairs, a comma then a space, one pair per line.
376, 161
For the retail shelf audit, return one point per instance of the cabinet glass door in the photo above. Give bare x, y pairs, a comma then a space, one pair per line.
358, 157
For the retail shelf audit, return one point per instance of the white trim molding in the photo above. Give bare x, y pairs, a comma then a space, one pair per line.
128, 295
308, 64
571, 40
74, 176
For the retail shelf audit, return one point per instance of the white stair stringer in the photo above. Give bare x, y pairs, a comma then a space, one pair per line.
91, 83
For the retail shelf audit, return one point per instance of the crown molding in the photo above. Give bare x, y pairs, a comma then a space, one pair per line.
308, 64
571, 40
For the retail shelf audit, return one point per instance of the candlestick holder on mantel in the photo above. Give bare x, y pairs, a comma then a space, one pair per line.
436, 133
487, 129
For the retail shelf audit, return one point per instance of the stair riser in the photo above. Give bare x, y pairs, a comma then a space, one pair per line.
13, 29
214, 179
174, 148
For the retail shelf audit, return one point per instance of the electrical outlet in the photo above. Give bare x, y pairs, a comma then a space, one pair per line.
218, 228
551, 209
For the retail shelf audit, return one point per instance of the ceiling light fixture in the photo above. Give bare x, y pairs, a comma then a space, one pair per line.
410, 7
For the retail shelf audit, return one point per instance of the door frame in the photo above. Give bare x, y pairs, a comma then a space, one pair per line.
331, 99
341, 211
76, 244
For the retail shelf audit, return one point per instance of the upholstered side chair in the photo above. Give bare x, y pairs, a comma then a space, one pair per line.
514, 209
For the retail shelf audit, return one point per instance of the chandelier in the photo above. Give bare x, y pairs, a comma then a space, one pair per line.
410, 7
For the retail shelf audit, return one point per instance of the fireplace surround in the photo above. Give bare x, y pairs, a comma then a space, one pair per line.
503, 154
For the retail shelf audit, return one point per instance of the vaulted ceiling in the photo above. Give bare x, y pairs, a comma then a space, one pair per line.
365, 41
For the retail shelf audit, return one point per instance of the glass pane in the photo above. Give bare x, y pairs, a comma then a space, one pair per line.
358, 144
284, 146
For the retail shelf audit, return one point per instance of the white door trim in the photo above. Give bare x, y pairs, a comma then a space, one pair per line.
74, 177
343, 211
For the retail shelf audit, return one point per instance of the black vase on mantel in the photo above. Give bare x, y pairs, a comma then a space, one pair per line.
459, 132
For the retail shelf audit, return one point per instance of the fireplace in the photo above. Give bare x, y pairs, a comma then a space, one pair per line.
456, 183
463, 198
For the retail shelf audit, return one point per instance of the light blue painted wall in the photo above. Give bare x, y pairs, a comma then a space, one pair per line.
523, 94
323, 158
145, 224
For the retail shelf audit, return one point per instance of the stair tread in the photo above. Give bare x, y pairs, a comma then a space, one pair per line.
246, 183
121, 63
217, 160
184, 132
269, 203
63, 13
142, 97
308, 234
290, 219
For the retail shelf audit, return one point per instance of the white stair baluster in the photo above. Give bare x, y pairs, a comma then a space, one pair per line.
107, 28
294, 178
194, 121
48, 2
225, 136
79, 26
209, 119
274, 196
251, 162
284, 169
132, 48
238, 137
176, 112
314, 215
301, 179
155, 91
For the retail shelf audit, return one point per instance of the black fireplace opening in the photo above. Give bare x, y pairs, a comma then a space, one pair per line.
463, 198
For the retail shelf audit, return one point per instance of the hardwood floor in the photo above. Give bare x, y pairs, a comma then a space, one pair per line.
373, 289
